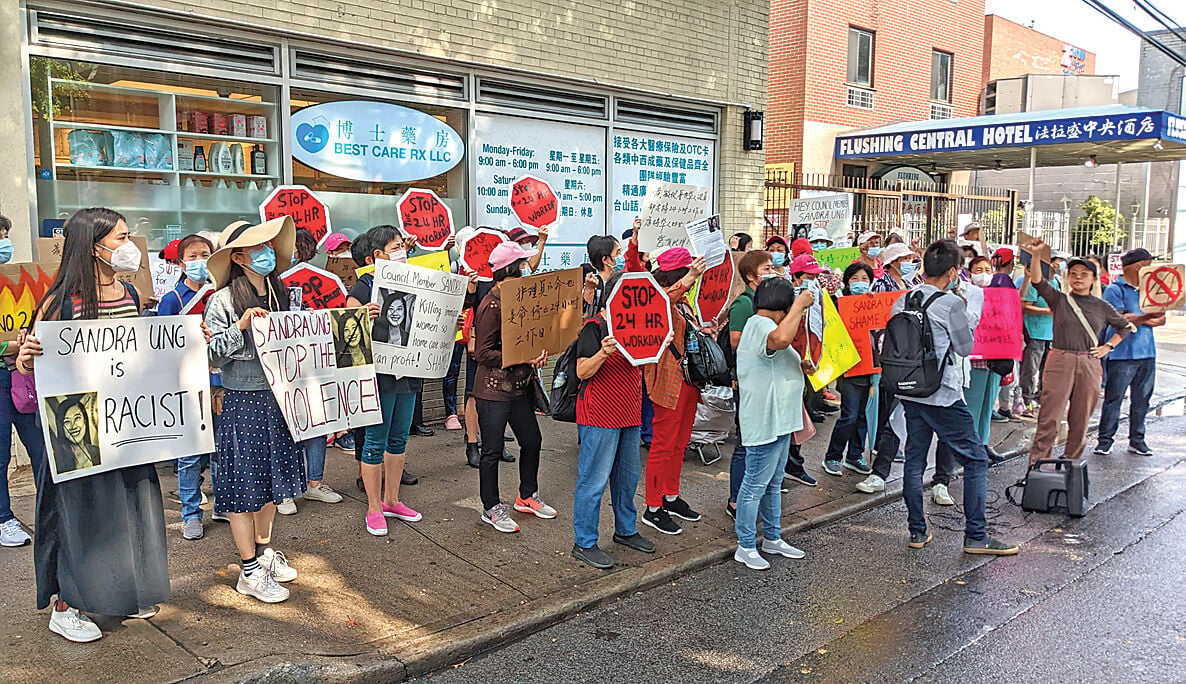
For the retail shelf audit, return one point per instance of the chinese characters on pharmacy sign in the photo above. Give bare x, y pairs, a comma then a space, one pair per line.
1136, 125
374, 141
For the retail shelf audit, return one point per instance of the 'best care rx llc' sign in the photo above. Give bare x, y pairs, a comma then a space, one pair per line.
374, 141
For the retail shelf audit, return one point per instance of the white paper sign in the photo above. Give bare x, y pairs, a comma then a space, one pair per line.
707, 240
833, 213
120, 393
164, 275
319, 366
417, 324
669, 207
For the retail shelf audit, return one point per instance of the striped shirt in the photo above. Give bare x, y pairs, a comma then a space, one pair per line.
125, 307
612, 398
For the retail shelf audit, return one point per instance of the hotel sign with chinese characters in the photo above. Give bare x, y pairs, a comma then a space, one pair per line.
374, 141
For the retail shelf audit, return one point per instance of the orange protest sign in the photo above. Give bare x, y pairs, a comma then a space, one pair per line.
864, 318
21, 287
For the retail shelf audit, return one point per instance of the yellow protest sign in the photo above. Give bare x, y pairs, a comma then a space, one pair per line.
437, 261
839, 353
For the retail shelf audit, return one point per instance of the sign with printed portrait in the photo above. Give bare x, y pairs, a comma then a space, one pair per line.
417, 325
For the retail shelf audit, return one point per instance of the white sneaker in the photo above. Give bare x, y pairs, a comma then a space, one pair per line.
751, 559
323, 493
278, 564
500, 518
74, 626
871, 485
146, 613
940, 496
12, 534
262, 585
782, 548
287, 507
219, 517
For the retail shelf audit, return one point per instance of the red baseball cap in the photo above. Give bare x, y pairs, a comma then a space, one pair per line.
169, 253
1004, 254
805, 263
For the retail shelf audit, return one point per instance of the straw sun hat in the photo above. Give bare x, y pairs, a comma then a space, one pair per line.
280, 231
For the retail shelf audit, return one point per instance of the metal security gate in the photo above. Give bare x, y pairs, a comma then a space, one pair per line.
925, 215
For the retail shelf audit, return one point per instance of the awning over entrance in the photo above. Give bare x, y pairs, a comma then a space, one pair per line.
1060, 137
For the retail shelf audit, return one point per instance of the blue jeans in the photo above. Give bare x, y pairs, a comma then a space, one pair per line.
953, 426
761, 492
391, 435
607, 456
28, 427
849, 430
648, 416
1122, 376
189, 485
314, 449
449, 384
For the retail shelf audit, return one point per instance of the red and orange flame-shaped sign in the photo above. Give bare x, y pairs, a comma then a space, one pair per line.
21, 287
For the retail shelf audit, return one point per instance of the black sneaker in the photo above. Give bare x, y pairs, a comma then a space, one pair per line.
421, 431
990, 547
507, 456
408, 479
680, 509
635, 541
661, 521
731, 511
593, 556
1000, 417
801, 477
1140, 450
1102, 449
919, 540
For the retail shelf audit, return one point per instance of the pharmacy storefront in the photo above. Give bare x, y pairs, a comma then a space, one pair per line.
184, 129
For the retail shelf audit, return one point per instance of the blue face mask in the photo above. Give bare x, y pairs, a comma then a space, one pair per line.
263, 259
779, 258
908, 268
524, 270
817, 246
620, 263
196, 270
951, 286
874, 252
858, 287
5, 251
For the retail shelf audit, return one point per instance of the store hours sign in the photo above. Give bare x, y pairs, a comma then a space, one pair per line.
374, 141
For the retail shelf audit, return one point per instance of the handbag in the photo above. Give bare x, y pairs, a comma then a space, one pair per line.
703, 363
24, 392
806, 432
538, 395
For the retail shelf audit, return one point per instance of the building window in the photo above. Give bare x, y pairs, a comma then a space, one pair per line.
940, 76
860, 57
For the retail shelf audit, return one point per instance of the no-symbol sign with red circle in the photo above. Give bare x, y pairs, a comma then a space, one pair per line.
1163, 287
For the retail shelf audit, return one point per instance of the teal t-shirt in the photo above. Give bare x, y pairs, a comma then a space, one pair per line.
1036, 326
770, 385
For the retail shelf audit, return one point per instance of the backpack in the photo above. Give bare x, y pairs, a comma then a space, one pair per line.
909, 365
566, 386
703, 361
726, 343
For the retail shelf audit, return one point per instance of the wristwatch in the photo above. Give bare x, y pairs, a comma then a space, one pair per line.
1109, 345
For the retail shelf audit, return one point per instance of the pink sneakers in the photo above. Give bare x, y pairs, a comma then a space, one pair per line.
377, 524
402, 512
452, 423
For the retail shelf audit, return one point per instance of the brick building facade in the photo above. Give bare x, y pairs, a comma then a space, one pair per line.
1011, 49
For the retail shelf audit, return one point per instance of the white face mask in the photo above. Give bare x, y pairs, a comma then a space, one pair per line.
125, 258
981, 279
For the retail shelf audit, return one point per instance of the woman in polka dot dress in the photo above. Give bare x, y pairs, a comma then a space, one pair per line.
258, 463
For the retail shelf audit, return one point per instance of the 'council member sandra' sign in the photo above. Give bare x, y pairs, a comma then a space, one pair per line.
374, 141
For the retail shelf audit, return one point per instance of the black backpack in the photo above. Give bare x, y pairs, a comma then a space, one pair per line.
726, 344
566, 386
909, 365
703, 361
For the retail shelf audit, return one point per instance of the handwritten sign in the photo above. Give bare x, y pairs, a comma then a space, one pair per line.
839, 354
417, 324
707, 240
833, 213
344, 268
319, 366
475, 251
424, 216
838, 258
114, 394
667, 208
713, 290
864, 317
50, 249
164, 275
639, 318
21, 287
534, 202
999, 334
540, 313
319, 289
1163, 287
299, 202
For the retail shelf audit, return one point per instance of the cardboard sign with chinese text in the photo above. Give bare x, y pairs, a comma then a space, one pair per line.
666, 210
540, 313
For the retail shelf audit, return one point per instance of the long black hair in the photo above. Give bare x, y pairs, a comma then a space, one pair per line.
78, 273
243, 294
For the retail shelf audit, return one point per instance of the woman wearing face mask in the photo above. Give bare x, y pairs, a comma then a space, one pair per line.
986, 374
6, 247
605, 256
901, 269
101, 544
192, 251
779, 250
503, 398
848, 434
258, 463
870, 245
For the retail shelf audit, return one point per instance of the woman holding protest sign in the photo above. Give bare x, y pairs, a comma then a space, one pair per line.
100, 544
985, 378
848, 434
385, 444
258, 463
504, 397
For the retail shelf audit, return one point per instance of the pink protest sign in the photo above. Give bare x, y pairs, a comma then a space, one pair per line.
999, 334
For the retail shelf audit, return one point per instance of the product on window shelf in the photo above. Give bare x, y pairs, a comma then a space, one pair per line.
218, 124
199, 122
185, 155
257, 126
158, 152
259, 161
237, 159
199, 159
220, 158
183, 120
239, 125
129, 150
88, 148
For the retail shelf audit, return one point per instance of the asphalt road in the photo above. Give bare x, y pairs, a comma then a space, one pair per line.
1094, 599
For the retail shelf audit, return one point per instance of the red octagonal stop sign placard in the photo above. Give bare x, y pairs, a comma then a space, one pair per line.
424, 216
318, 289
475, 251
302, 205
639, 318
712, 293
534, 202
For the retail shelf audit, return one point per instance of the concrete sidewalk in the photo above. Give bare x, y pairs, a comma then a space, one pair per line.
431, 593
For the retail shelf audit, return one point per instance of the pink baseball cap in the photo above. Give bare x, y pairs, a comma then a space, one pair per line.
507, 253
335, 241
674, 258
805, 263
